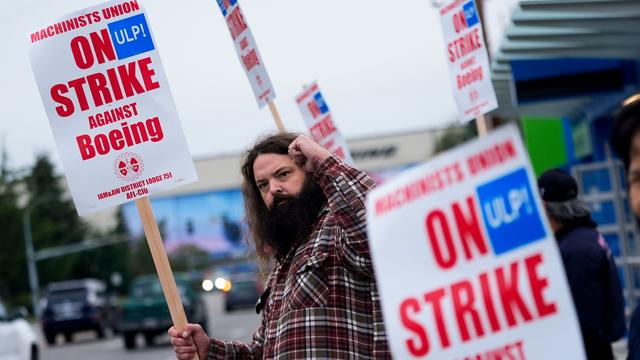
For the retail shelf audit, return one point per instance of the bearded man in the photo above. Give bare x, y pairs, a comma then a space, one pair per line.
306, 212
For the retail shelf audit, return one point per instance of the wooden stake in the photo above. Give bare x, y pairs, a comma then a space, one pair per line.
481, 125
161, 261
276, 116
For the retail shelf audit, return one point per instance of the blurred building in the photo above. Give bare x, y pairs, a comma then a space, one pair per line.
562, 70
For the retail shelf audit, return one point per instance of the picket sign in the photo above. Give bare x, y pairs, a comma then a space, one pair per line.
250, 58
465, 260
112, 115
468, 61
319, 120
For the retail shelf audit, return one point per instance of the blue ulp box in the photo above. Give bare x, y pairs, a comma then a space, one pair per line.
321, 104
470, 13
131, 36
509, 211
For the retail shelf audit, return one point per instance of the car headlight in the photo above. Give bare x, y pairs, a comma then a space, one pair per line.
207, 285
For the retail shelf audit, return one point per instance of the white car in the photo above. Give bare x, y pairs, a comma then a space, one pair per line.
18, 340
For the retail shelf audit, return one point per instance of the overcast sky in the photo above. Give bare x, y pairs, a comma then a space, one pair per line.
381, 68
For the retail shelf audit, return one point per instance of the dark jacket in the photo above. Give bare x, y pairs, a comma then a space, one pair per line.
595, 286
634, 335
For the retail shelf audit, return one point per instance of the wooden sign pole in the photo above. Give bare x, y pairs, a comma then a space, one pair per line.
161, 261
481, 125
276, 116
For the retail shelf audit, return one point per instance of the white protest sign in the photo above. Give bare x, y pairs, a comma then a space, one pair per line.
318, 118
467, 59
109, 106
465, 261
247, 52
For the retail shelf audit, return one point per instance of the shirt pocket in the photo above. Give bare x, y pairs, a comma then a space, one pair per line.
309, 284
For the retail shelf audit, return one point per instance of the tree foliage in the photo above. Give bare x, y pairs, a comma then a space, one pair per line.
455, 135
54, 220
39, 196
13, 266
101, 263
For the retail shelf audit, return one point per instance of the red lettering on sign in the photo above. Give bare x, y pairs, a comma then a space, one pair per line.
510, 295
307, 92
468, 232
117, 139
469, 228
460, 21
250, 60
244, 43
77, 86
237, 24
464, 45
313, 109
113, 115
65, 25
323, 129
328, 144
133, 78
421, 346
427, 184
472, 317
488, 158
463, 298
538, 285
437, 220
100, 43
120, 9
435, 298
469, 77
510, 351
66, 105
488, 302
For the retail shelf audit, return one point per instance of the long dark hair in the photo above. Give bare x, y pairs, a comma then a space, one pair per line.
253, 203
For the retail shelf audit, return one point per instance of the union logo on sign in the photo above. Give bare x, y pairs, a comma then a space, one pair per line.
128, 166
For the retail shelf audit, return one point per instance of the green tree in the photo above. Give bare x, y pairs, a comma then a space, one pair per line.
122, 251
54, 220
187, 258
14, 283
141, 259
455, 135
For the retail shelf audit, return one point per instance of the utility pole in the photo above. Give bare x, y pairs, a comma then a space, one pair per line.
31, 262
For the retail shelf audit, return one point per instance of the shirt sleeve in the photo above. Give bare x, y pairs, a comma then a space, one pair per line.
222, 350
346, 188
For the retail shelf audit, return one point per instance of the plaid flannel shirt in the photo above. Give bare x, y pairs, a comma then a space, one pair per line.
323, 301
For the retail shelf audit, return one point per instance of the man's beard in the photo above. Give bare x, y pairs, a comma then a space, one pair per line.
291, 218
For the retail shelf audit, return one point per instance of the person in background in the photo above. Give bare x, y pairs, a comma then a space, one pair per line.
306, 213
588, 263
625, 141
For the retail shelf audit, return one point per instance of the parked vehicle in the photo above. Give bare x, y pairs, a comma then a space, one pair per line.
243, 291
146, 312
73, 306
18, 340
